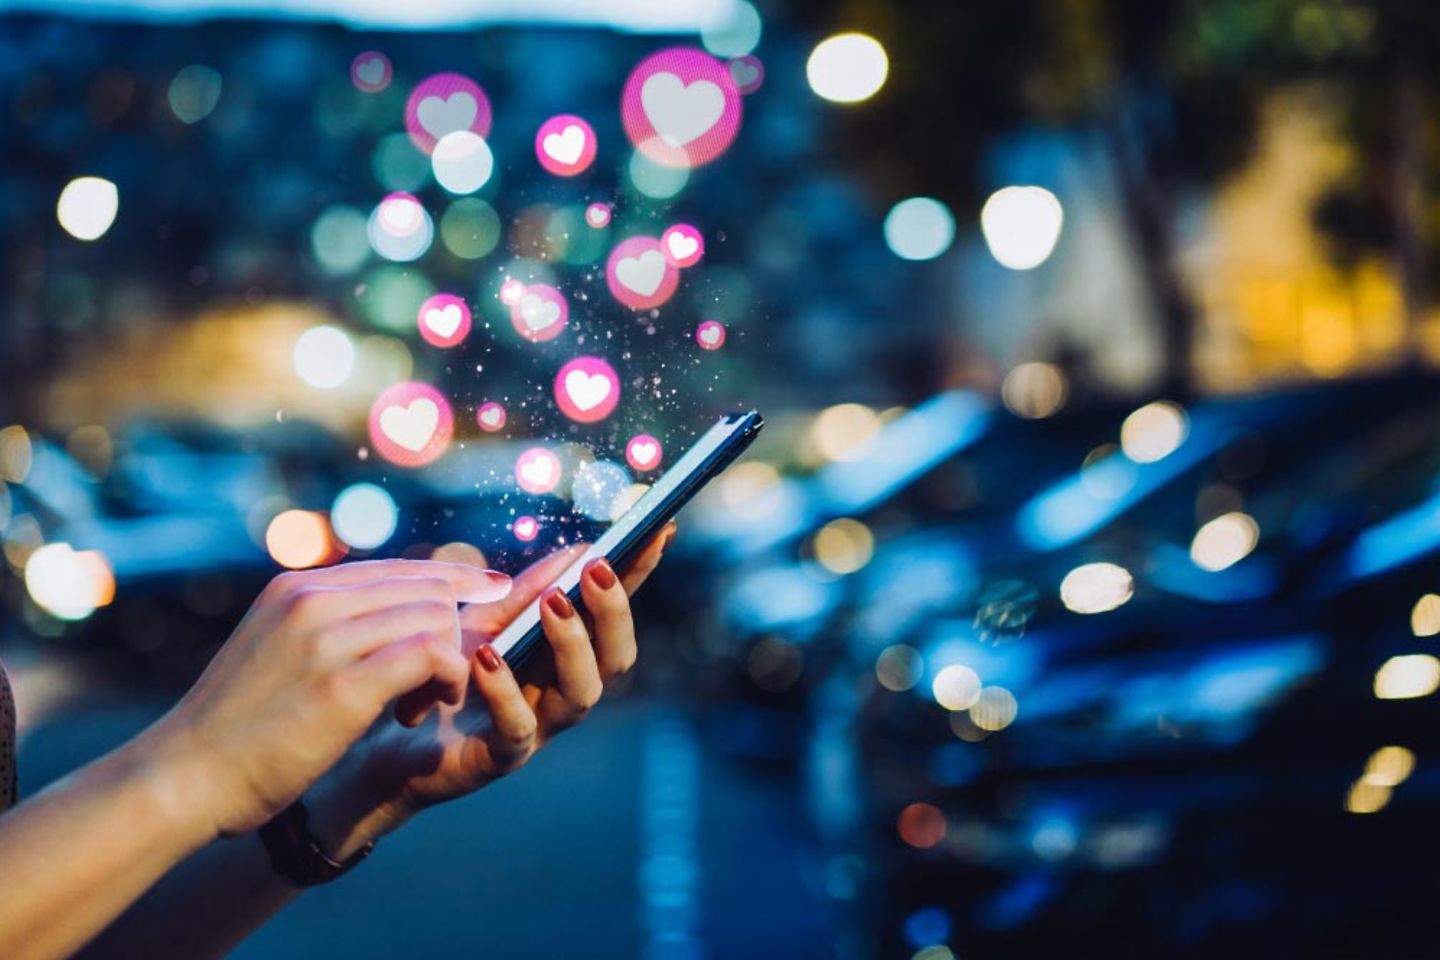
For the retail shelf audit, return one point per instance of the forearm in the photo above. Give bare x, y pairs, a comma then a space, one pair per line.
76, 855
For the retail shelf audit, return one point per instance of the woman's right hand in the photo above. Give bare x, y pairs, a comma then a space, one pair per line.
309, 668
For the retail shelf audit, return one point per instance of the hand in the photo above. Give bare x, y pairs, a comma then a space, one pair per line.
395, 772
308, 670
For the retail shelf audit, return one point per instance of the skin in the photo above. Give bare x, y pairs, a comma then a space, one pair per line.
365, 687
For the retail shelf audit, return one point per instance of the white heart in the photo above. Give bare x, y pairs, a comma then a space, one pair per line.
443, 320
597, 217
680, 113
643, 274
411, 427
524, 528
371, 72
710, 335
491, 417
682, 246
441, 116
400, 215
537, 312
743, 73
565, 146
585, 389
536, 472
643, 452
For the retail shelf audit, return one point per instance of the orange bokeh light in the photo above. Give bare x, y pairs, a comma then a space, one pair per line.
921, 825
301, 538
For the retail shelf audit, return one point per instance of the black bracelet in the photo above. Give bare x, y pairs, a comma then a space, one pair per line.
295, 853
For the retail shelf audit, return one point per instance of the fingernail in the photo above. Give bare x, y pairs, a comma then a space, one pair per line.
601, 572
559, 604
491, 585
488, 658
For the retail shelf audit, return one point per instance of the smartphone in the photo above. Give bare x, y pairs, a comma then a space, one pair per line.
711, 453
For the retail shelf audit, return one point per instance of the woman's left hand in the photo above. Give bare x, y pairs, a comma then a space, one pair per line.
396, 771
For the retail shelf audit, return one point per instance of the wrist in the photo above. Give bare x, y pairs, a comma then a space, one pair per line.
169, 783
345, 815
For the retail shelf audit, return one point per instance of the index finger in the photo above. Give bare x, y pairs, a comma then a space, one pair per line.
471, 584
528, 585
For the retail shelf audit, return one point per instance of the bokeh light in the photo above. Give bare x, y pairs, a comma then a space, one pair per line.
1096, 588
364, 516
730, 28
87, 207
1154, 432
597, 485
1407, 676
297, 539
1425, 616
655, 180
1367, 797
1034, 390
1224, 541
847, 68
324, 357
899, 667
17, 454
843, 546
956, 687
462, 162
194, 93
994, 709
1021, 226
921, 825
1389, 766
339, 241
840, 432
920, 228
470, 228
400, 228
66, 583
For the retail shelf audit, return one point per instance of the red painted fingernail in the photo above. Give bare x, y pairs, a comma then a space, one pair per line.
559, 604
488, 658
603, 574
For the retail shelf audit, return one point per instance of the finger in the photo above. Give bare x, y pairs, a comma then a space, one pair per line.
471, 584
610, 616
577, 675
638, 570
352, 639
514, 727
490, 617
323, 607
406, 665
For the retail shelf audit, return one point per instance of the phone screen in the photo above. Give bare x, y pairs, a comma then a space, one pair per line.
707, 457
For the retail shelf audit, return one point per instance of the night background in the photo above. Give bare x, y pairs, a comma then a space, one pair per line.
1081, 595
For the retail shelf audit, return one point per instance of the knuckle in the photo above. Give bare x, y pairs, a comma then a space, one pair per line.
301, 602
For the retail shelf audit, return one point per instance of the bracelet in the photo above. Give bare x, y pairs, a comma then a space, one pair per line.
295, 853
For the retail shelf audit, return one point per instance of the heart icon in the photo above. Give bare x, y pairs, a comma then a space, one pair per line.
642, 274
743, 73
371, 72
710, 335
411, 427
565, 147
597, 215
683, 247
401, 214
680, 113
444, 321
536, 472
587, 390
440, 116
492, 417
525, 528
537, 312
644, 452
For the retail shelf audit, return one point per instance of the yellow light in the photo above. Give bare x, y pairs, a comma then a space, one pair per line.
743, 482
1021, 226
1153, 432
299, 539
69, 584
956, 687
1096, 588
15, 454
87, 207
1389, 766
847, 68
1366, 797
994, 709
1425, 618
1224, 541
1034, 390
839, 432
844, 546
1407, 676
